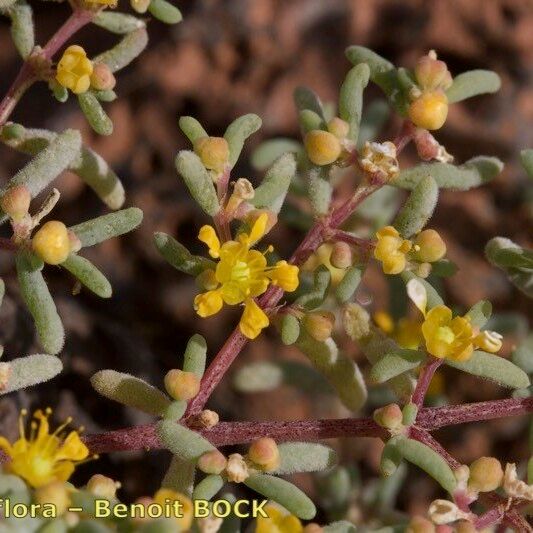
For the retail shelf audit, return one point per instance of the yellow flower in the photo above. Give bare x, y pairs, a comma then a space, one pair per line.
51, 243
44, 457
241, 275
74, 70
279, 521
391, 250
164, 497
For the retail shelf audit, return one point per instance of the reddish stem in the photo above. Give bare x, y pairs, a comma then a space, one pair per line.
236, 341
343, 236
424, 380
491, 517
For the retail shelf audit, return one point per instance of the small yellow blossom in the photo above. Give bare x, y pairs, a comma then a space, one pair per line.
391, 250
74, 70
242, 274
184, 518
52, 243
279, 521
447, 336
44, 457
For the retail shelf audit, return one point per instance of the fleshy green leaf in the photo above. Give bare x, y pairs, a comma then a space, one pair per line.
198, 181
376, 63
268, 151
22, 28
31, 370
125, 51
192, 128
316, 296
523, 354
208, 487
283, 492
165, 11
179, 257
88, 275
237, 132
472, 83
37, 298
95, 114
395, 363
180, 476
391, 458
349, 283
186, 444
305, 98
351, 98
120, 23
526, 157
476, 171
480, 313
195, 356
304, 457
493, 367
418, 208
108, 226
130, 390
319, 190
290, 329
309, 120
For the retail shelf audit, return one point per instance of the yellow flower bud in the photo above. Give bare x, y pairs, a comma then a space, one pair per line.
389, 417
431, 73
15, 202
341, 255
486, 474
490, 341
102, 486
181, 385
102, 79
212, 462
51, 243
319, 324
74, 70
57, 493
429, 111
419, 524
213, 151
340, 128
322, 147
429, 246
264, 452
237, 470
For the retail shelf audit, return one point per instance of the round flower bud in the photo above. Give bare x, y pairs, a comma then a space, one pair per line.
419, 524
182, 385
319, 324
389, 417
356, 321
213, 151
264, 452
429, 111
56, 493
341, 255
212, 462
340, 128
102, 79
486, 474
430, 246
102, 486
237, 470
51, 243
15, 202
322, 147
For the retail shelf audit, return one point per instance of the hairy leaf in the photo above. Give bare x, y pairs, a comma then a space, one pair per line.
238, 131
186, 444
304, 457
351, 98
195, 356
208, 487
88, 275
125, 51
192, 128
472, 83
31, 370
120, 23
95, 114
165, 11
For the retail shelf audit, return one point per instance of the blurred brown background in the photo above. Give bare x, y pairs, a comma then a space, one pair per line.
231, 57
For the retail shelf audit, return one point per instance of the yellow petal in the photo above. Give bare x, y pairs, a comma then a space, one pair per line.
253, 320
384, 321
285, 275
258, 229
208, 303
208, 236
73, 448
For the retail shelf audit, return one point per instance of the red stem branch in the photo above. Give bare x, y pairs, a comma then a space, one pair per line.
424, 379
424, 437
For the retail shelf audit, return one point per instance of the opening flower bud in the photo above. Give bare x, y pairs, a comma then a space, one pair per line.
319, 324
57, 493
490, 341
51, 243
429, 111
340, 128
102, 79
103, 486
341, 255
16, 202
432, 73
74, 70
419, 524
237, 469
181, 385
429, 246
486, 474
213, 151
242, 190
264, 452
322, 147
389, 417
212, 462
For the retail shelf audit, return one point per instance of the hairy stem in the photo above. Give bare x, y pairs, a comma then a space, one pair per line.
236, 341
424, 437
426, 375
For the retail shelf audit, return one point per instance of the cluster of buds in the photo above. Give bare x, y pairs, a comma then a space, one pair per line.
379, 161
398, 254
337, 257
75, 71
263, 456
429, 105
325, 147
181, 385
53, 242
